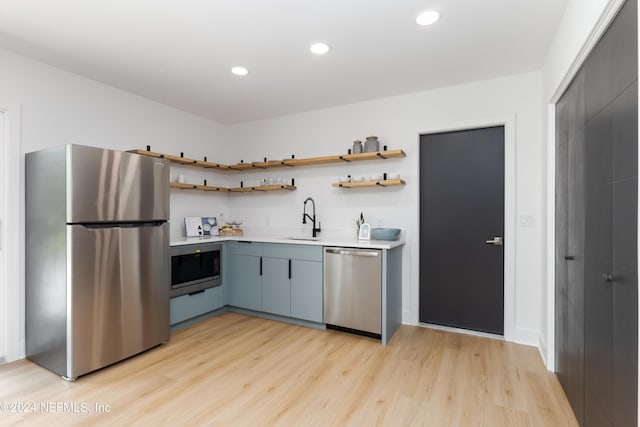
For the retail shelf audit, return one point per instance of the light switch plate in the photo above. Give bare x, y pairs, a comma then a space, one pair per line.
527, 221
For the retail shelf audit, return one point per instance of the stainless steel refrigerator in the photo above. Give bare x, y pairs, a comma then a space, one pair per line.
97, 257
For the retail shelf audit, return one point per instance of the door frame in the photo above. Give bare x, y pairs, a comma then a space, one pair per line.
11, 237
510, 212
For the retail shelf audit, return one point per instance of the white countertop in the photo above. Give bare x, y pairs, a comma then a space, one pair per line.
321, 241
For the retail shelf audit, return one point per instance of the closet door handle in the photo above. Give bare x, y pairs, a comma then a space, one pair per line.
608, 277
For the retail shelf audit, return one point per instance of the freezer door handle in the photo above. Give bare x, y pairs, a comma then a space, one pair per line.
102, 225
352, 252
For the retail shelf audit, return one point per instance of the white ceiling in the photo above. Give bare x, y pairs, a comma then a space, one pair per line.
180, 52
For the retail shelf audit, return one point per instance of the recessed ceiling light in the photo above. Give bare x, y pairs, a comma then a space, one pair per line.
319, 48
239, 71
427, 17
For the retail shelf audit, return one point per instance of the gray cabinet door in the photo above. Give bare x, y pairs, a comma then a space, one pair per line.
276, 287
306, 290
187, 307
245, 289
277, 278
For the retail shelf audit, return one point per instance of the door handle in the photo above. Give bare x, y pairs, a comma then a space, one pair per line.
608, 277
569, 257
497, 241
351, 252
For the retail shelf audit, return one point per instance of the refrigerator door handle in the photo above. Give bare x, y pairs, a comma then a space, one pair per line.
101, 225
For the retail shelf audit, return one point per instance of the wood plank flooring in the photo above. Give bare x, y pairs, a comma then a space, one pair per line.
236, 370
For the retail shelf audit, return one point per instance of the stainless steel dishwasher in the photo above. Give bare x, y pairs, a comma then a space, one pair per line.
352, 289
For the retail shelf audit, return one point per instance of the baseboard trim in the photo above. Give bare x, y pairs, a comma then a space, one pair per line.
542, 348
461, 331
527, 337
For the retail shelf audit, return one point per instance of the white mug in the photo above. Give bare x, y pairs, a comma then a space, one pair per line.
182, 179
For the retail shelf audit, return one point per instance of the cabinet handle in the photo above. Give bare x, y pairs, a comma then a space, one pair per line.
607, 277
289, 269
261, 266
568, 257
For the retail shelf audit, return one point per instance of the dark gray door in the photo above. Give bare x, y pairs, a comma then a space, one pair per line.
596, 230
461, 212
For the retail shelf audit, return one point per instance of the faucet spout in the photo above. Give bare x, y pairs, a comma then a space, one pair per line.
312, 217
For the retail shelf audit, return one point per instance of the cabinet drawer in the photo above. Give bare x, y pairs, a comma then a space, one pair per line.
245, 248
288, 251
188, 306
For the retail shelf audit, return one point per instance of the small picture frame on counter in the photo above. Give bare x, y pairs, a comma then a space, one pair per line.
365, 232
201, 226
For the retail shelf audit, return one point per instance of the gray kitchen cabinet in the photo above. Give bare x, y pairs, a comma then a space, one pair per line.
186, 307
306, 290
276, 286
292, 281
281, 279
245, 290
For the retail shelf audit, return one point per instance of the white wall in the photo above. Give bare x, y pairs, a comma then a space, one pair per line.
582, 24
397, 121
58, 107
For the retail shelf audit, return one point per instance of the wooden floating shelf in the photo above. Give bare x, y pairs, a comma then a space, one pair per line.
358, 184
209, 165
312, 161
172, 158
241, 166
254, 166
274, 187
375, 155
241, 189
182, 186
269, 164
210, 188
263, 188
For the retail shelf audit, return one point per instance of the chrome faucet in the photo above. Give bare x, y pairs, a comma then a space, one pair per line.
305, 215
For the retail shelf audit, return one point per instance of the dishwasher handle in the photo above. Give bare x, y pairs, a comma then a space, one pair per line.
354, 252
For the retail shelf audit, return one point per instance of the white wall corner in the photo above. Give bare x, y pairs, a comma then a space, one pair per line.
407, 319
14, 238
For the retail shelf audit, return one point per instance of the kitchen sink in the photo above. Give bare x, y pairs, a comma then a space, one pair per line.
301, 238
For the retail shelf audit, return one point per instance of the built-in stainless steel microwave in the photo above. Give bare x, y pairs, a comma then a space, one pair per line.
195, 268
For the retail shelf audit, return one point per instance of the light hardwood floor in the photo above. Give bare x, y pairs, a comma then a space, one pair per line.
238, 370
